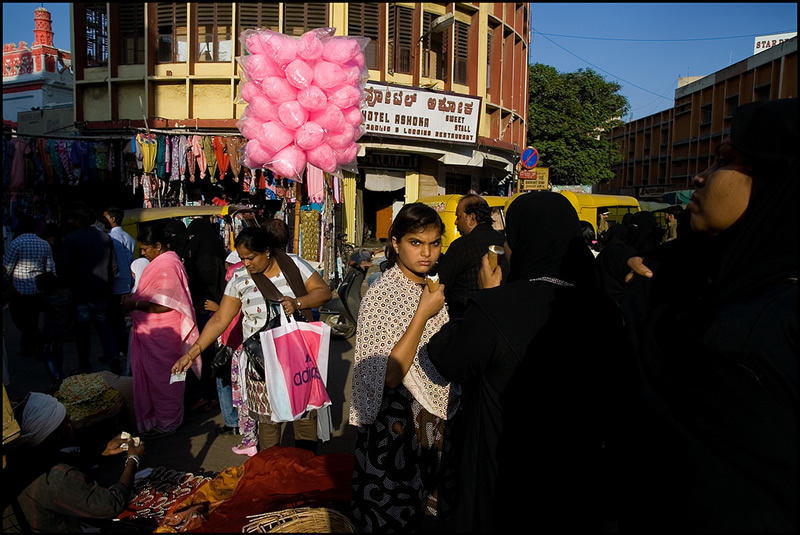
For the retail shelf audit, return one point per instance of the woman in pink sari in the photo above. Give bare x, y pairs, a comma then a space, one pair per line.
163, 329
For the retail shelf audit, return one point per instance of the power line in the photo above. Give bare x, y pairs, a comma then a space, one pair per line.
598, 68
657, 40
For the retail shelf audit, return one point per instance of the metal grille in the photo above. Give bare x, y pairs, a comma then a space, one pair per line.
131, 35
300, 18
461, 52
363, 20
96, 35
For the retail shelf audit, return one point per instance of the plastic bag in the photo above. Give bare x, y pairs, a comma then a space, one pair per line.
304, 97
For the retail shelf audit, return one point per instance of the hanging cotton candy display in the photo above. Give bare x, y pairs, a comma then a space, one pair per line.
304, 98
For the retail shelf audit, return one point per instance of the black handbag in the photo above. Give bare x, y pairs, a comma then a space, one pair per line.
221, 364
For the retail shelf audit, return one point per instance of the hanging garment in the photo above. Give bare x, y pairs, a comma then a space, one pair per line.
221, 151
101, 156
315, 182
177, 159
47, 164
8, 158
167, 156
211, 158
148, 146
161, 157
309, 231
235, 145
17, 181
199, 156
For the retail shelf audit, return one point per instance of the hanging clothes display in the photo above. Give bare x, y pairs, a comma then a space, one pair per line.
177, 160
47, 166
315, 183
199, 155
148, 145
235, 145
17, 180
211, 158
221, 151
309, 234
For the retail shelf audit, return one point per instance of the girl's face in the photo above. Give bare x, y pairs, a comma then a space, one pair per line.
254, 262
722, 192
417, 252
151, 251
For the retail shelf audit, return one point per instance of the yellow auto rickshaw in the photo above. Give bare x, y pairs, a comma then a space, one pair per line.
446, 205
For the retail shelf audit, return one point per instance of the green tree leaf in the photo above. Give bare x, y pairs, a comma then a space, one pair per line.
569, 115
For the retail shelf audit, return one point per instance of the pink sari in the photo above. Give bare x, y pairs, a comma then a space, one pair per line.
158, 340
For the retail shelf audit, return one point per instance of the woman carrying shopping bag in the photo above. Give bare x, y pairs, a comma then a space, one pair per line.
300, 289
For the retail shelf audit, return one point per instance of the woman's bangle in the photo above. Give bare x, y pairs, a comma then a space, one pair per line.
298, 303
135, 459
198, 347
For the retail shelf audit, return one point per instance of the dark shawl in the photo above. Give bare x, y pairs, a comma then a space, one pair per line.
205, 263
532, 410
717, 375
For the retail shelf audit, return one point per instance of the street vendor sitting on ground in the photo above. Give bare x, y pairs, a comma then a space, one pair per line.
55, 495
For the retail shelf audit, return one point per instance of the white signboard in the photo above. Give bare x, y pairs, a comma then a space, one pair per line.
399, 111
768, 41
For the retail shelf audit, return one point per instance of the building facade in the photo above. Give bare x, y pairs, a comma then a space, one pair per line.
663, 152
37, 81
446, 108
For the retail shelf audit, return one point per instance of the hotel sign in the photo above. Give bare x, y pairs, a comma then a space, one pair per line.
407, 112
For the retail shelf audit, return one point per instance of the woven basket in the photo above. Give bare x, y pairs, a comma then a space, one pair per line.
300, 520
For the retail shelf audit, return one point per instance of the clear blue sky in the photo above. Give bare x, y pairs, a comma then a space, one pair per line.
654, 66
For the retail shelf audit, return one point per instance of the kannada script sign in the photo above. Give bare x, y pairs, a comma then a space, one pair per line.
400, 111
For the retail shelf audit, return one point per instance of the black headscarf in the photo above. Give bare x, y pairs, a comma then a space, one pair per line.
205, 262
178, 237
558, 251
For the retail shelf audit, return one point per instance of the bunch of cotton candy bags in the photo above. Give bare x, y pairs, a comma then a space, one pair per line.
304, 98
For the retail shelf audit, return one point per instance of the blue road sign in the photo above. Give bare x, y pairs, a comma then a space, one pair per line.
530, 157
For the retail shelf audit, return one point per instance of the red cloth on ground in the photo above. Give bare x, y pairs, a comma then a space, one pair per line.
281, 478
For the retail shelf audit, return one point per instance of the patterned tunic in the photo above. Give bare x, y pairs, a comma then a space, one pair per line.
402, 433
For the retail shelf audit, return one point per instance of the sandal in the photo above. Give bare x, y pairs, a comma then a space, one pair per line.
252, 450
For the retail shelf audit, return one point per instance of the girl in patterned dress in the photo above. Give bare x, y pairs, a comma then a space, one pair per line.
399, 401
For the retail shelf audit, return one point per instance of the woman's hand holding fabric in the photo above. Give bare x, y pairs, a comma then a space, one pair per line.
488, 278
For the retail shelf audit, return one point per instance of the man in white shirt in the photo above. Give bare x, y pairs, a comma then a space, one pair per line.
26, 257
124, 250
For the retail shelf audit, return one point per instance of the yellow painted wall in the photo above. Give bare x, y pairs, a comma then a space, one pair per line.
211, 100
128, 100
170, 100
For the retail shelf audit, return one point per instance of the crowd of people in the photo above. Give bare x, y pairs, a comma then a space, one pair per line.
627, 380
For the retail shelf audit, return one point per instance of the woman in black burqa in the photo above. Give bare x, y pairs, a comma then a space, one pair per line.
534, 444
716, 436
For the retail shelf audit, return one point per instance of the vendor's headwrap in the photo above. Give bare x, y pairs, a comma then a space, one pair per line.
42, 415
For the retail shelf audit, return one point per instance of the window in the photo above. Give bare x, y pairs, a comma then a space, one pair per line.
362, 19
172, 36
456, 184
731, 103
705, 114
400, 25
433, 57
489, 34
762, 93
96, 35
131, 33
299, 18
214, 32
253, 16
461, 52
